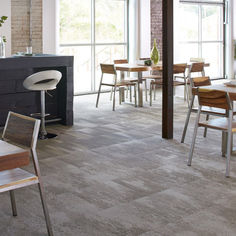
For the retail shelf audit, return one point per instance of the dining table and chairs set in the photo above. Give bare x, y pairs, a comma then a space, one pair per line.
215, 101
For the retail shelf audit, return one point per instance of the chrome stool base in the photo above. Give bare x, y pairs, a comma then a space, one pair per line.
47, 136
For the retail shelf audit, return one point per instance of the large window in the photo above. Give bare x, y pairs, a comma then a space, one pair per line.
199, 32
94, 31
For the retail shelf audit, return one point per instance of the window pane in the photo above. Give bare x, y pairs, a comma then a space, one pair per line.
82, 67
107, 54
213, 53
75, 21
186, 21
110, 21
184, 51
212, 27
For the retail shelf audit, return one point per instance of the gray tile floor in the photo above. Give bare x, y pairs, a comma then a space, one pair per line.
112, 174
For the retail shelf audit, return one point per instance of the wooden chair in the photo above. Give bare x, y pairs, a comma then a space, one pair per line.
151, 77
19, 140
177, 69
194, 84
196, 67
220, 100
110, 69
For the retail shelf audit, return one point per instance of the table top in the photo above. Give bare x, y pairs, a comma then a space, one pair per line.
140, 68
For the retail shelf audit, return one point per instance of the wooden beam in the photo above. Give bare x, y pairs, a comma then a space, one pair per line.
167, 94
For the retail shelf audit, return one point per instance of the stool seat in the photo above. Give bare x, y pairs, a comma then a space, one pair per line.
12, 156
43, 80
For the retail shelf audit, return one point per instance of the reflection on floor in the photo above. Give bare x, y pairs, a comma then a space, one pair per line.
112, 174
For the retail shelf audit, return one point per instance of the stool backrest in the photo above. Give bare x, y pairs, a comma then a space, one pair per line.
121, 61
108, 69
213, 98
179, 68
21, 130
201, 81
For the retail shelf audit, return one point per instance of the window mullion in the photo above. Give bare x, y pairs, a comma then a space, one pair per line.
93, 45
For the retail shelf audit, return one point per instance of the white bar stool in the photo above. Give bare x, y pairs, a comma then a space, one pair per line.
43, 81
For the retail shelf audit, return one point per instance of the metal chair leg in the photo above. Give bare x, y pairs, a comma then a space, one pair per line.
205, 130
194, 137
114, 99
45, 211
111, 93
99, 91
187, 120
229, 146
135, 96
120, 96
130, 93
146, 95
13, 203
151, 94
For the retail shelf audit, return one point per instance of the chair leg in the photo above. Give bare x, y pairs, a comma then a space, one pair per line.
205, 130
99, 91
229, 146
130, 93
114, 99
194, 137
13, 203
45, 211
146, 93
135, 96
111, 93
120, 96
155, 88
150, 94
187, 120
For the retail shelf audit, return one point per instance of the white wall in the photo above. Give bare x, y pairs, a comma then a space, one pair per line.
5, 30
50, 26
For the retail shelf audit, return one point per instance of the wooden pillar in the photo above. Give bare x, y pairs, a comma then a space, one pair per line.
167, 94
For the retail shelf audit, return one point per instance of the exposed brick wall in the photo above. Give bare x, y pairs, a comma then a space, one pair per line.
20, 25
156, 24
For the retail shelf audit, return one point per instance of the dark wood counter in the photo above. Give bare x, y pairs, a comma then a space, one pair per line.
14, 97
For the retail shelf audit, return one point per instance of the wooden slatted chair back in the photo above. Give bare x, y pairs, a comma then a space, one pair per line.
213, 98
21, 130
179, 68
197, 67
201, 81
121, 61
108, 69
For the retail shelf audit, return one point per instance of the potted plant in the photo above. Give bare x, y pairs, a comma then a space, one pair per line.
2, 38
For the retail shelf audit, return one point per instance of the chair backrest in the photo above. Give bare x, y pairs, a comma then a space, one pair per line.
121, 61
21, 130
179, 68
108, 69
213, 98
197, 67
201, 81
197, 59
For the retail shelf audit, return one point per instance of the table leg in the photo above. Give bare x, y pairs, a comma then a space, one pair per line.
140, 90
122, 90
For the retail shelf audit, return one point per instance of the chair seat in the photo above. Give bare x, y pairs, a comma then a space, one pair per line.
175, 83
218, 123
16, 178
12, 156
213, 111
121, 84
152, 77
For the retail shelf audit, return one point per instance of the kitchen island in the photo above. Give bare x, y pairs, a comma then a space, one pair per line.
14, 97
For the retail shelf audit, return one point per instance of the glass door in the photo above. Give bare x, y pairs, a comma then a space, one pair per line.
199, 32
94, 31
